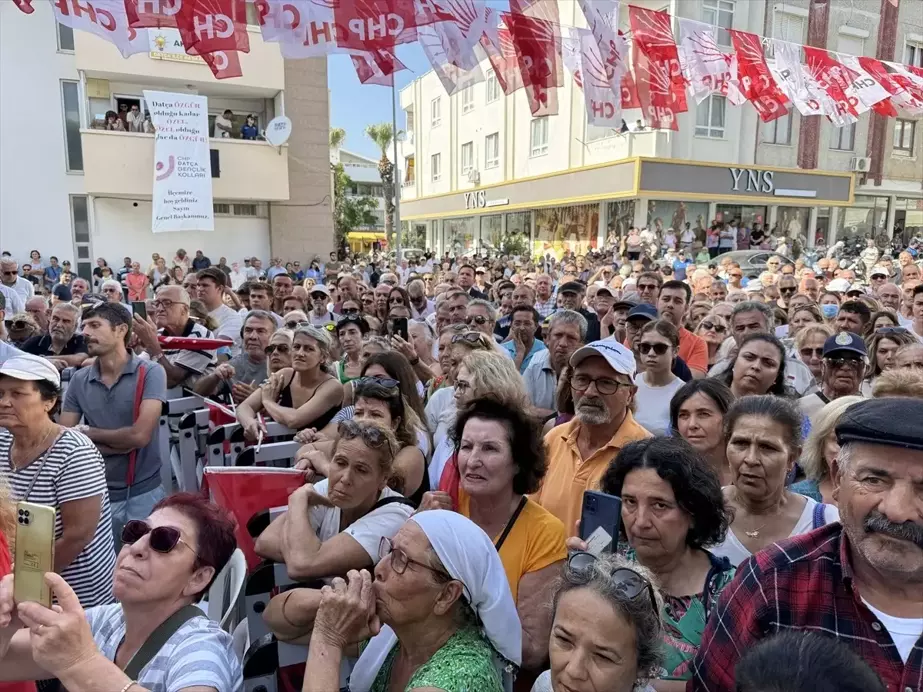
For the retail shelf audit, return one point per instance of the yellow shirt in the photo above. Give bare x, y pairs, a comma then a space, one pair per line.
535, 541
569, 475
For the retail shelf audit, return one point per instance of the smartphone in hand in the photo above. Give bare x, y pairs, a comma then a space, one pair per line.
600, 521
34, 552
139, 308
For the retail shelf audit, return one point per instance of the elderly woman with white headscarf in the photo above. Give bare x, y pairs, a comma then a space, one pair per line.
439, 612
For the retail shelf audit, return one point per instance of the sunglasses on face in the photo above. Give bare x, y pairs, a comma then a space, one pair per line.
281, 348
16, 324
811, 352
351, 312
714, 326
658, 349
476, 319
836, 363
790, 289
163, 539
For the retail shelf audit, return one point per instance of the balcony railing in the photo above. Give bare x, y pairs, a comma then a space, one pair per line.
122, 164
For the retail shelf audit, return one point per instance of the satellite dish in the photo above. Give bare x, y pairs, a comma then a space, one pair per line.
278, 131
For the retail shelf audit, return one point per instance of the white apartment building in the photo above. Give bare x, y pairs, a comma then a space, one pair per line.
476, 165
366, 182
73, 190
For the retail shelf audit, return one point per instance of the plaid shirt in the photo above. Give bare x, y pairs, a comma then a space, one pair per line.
804, 583
547, 307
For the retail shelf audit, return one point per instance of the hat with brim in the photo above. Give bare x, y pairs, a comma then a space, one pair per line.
572, 287
845, 342
882, 422
320, 288
643, 312
28, 367
617, 356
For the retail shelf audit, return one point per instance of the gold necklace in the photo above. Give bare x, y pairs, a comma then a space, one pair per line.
756, 533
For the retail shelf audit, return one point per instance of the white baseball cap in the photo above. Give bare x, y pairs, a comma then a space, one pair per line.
320, 288
29, 367
838, 286
619, 358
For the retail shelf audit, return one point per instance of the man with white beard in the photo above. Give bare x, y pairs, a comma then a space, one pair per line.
579, 452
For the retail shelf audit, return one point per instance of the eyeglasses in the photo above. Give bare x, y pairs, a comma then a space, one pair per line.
281, 348
836, 363
350, 430
645, 348
625, 581
476, 319
294, 324
469, 337
604, 385
811, 352
163, 304
163, 539
351, 312
400, 561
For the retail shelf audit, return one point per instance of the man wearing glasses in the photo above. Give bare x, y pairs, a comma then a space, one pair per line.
171, 318
843, 369
579, 452
246, 371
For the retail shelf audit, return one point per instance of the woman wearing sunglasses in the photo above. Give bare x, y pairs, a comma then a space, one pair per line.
335, 525
279, 351
713, 329
657, 346
302, 396
438, 611
809, 347
672, 512
606, 631
165, 566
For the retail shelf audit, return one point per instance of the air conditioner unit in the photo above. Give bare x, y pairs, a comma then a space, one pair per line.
474, 176
860, 164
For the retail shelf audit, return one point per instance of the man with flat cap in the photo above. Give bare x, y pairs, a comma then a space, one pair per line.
859, 580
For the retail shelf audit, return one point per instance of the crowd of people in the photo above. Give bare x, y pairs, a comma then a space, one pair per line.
760, 432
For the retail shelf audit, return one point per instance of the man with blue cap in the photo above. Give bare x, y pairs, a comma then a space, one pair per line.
859, 580
844, 366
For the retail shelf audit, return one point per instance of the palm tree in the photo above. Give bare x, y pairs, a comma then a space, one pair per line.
383, 134
337, 137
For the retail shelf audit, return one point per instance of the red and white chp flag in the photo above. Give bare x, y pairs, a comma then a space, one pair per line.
865, 90
224, 64
207, 26
652, 33
436, 45
756, 82
602, 16
707, 68
376, 67
153, 14
497, 43
591, 71
538, 50
24, 6
834, 79
376, 24
104, 18
901, 98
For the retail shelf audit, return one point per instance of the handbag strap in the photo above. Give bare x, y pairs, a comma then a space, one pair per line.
160, 636
133, 454
509, 524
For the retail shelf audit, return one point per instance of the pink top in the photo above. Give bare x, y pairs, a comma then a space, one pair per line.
137, 285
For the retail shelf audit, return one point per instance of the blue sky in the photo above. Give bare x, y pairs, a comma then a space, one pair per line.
353, 106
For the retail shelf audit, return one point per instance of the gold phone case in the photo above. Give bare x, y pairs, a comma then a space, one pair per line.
35, 536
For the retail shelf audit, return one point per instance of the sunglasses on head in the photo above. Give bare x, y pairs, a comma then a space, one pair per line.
892, 330
294, 324
381, 380
281, 348
625, 581
163, 539
658, 349
470, 337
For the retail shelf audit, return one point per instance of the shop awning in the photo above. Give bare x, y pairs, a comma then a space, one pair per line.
364, 235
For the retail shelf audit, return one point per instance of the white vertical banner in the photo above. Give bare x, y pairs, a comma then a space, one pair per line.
182, 195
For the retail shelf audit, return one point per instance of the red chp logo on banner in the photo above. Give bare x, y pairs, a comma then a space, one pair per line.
659, 79
206, 26
833, 78
381, 24
152, 14
538, 49
756, 82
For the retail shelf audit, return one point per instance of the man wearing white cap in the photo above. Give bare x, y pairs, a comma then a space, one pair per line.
321, 315
579, 452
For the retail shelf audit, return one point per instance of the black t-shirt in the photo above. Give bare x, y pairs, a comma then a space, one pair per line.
41, 346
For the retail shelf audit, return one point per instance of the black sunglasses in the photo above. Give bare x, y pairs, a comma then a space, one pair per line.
351, 429
281, 348
625, 581
892, 330
658, 349
163, 538
718, 328
470, 337
351, 312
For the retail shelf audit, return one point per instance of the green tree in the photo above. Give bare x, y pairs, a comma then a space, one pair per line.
349, 213
383, 134
337, 137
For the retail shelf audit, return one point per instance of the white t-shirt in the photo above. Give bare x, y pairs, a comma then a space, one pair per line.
440, 417
199, 654
368, 530
653, 404
904, 631
229, 325
220, 119
735, 551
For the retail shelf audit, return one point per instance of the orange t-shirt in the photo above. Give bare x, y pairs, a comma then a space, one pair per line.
693, 350
535, 541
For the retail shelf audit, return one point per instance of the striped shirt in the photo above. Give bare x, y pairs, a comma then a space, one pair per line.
199, 654
73, 470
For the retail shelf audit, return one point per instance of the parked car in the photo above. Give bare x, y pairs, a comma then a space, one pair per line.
752, 262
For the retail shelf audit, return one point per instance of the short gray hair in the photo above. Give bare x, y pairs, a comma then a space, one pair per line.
569, 317
643, 615
755, 306
67, 307
110, 282
261, 315
812, 455
491, 310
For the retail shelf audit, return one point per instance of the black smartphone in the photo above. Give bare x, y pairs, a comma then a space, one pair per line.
139, 307
600, 521
399, 328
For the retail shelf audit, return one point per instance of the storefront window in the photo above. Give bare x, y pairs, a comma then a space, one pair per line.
491, 233
823, 226
560, 229
458, 235
518, 238
793, 221
865, 218
662, 214
745, 215
908, 219
620, 216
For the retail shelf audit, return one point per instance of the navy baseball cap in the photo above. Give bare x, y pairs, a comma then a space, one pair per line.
643, 311
845, 341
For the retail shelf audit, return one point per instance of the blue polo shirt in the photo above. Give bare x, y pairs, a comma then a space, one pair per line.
510, 348
111, 408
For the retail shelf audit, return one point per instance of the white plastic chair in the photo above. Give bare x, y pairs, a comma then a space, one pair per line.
225, 592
